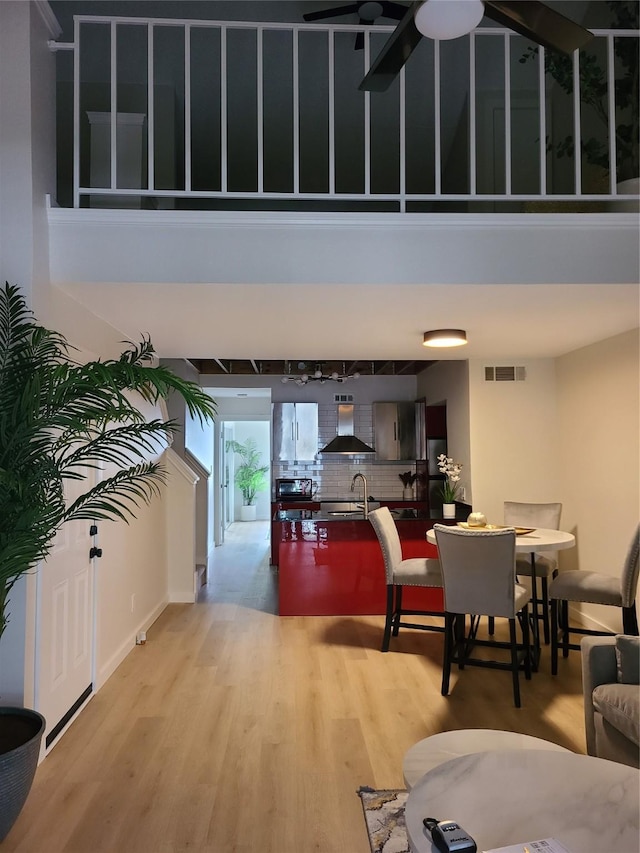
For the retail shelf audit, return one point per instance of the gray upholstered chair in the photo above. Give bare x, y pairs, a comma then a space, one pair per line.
593, 588
610, 676
479, 579
417, 571
547, 515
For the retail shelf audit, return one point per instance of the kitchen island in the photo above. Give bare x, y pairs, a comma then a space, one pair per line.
331, 564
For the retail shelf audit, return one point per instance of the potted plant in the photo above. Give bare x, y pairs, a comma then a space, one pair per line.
249, 476
58, 420
451, 486
594, 94
408, 479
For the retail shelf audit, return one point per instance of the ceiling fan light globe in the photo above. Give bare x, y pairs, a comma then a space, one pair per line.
448, 19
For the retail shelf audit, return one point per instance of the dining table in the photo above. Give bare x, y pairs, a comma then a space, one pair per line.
530, 541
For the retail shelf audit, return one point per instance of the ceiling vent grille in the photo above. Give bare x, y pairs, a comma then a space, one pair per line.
505, 374
343, 398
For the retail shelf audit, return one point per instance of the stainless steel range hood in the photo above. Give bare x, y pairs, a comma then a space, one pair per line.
346, 443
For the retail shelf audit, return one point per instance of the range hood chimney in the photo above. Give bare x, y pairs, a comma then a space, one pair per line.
346, 442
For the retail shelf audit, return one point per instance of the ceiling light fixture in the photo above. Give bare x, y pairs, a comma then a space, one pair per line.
317, 376
448, 19
445, 338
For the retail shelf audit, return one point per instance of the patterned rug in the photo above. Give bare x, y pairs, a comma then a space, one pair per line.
384, 816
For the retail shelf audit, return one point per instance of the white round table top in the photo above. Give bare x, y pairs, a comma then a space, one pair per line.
541, 539
515, 796
436, 749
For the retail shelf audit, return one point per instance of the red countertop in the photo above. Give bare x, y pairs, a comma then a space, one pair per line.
334, 567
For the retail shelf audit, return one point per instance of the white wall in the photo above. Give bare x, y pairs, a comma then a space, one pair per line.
599, 464
27, 174
310, 248
134, 563
513, 437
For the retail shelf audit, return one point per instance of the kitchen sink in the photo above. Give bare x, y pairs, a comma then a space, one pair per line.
347, 513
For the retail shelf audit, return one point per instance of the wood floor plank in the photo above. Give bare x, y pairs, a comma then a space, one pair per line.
233, 729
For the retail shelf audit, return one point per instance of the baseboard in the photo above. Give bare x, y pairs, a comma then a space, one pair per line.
577, 617
110, 666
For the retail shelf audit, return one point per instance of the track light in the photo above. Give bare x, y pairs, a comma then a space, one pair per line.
445, 338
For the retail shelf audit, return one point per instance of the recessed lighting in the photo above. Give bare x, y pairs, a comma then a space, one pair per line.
445, 338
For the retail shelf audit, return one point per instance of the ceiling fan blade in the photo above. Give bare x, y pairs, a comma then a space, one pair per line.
538, 22
332, 13
399, 47
394, 11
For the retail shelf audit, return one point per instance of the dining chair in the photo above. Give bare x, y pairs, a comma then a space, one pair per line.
586, 587
479, 579
416, 571
545, 515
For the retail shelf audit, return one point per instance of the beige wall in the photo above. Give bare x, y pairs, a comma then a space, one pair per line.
599, 430
513, 437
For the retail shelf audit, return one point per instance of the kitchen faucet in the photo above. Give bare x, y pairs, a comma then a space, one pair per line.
364, 485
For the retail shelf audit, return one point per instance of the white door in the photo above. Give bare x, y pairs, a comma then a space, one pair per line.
65, 630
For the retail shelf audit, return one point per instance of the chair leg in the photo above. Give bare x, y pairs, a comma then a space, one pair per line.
630, 620
545, 609
492, 626
526, 641
515, 664
554, 636
398, 609
459, 629
565, 629
449, 625
389, 618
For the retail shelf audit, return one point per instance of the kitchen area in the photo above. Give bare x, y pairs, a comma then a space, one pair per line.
369, 455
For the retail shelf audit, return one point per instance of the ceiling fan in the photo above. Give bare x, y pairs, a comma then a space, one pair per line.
446, 19
368, 11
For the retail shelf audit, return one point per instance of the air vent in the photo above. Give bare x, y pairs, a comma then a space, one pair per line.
504, 374
343, 398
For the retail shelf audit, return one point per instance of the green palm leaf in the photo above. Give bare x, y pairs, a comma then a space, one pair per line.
58, 420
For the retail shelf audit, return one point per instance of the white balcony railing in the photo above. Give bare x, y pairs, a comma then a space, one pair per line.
215, 114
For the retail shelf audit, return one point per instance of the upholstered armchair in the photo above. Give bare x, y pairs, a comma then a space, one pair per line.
610, 676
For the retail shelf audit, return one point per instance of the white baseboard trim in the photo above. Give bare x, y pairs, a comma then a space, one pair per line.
589, 622
110, 666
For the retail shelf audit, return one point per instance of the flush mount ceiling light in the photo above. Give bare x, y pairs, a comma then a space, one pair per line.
448, 19
317, 375
445, 338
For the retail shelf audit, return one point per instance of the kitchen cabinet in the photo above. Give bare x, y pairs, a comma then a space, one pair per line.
394, 426
295, 432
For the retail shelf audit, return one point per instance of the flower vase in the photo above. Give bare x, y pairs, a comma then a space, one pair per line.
448, 510
407, 493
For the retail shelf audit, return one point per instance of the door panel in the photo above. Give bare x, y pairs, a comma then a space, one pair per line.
65, 633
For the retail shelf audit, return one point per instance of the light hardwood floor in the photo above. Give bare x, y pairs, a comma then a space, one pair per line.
233, 729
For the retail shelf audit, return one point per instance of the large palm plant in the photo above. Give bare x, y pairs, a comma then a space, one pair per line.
250, 475
58, 419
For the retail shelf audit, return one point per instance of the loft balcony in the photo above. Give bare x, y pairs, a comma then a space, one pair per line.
242, 116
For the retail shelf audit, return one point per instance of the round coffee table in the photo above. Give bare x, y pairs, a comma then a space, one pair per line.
432, 751
515, 796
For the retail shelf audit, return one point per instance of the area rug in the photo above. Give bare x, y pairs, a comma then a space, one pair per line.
384, 817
